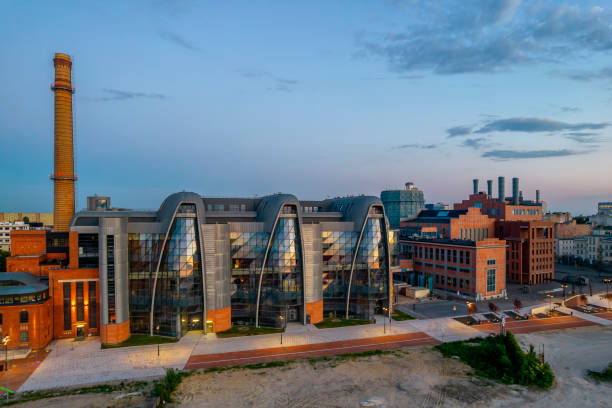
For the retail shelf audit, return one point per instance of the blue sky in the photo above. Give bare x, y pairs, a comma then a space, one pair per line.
318, 98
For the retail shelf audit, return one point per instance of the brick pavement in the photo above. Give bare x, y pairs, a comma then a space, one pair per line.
21, 369
536, 325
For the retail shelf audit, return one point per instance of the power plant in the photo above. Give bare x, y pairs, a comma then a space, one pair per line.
63, 172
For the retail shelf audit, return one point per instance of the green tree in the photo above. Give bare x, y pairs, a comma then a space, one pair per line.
3, 255
26, 219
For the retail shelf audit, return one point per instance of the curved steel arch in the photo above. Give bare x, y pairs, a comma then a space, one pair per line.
278, 201
175, 201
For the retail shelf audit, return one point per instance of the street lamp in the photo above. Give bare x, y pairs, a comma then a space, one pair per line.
607, 282
384, 320
550, 297
5, 341
564, 286
282, 327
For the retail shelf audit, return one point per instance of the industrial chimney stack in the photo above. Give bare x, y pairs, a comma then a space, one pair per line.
537, 196
475, 181
63, 173
515, 191
490, 188
501, 188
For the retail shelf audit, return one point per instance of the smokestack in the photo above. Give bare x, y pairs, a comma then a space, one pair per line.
475, 181
63, 172
521, 196
537, 196
501, 188
515, 190
490, 188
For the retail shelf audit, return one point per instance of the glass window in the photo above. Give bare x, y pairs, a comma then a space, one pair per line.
92, 303
23, 336
80, 302
67, 311
491, 280
23, 316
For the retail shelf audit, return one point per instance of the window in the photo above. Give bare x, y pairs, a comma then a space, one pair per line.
0, 318
110, 276
467, 257
454, 256
91, 299
491, 280
80, 305
491, 262
461, 257
467, 284
23, 336
67, 314
23, 317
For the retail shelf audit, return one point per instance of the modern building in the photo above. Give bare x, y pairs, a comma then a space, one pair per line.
210, 263
454, 251
402, 204
604, 208
603, 216
5, 233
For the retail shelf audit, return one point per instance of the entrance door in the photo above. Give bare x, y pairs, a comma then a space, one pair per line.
293, 315
80, 332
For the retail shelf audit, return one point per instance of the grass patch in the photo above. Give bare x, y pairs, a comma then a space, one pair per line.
399, 316
141, 340
167, 385
28, 396
331, 322
501, 358
238, 331
605, 375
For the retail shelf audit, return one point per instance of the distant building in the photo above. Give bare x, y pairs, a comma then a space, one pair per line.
558, 217
603, 216
572, 230
437, 206
604, 208
564, 247
45, 218
454, 252
5, 233
595, 248
402, 204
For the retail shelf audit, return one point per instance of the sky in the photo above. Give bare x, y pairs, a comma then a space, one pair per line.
318, 98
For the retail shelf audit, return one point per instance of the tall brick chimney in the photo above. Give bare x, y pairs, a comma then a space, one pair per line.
63, 172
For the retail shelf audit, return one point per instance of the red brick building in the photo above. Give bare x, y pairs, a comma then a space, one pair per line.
62, 299
454, 251
502, 210
531, 250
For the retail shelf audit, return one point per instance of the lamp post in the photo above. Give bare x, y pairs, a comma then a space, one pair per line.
282, 327
564, 286
5, 341
384, 320
607, 282
550, 304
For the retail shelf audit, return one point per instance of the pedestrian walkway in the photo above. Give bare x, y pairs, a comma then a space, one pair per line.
536, 325
20, 370
308, 350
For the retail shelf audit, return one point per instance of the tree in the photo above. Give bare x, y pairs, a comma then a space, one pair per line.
26, 219
3, 255
493, 307
517, 305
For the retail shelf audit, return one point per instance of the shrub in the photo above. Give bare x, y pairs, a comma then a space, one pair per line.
501, 358
167, 385
605, 375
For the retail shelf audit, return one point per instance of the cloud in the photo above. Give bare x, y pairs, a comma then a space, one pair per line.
536, 125
587, 76
178, 40
475, 143
466, 36
570, 109
583, 137
529, 154
458, 131
277, 83
415, 146
121, 95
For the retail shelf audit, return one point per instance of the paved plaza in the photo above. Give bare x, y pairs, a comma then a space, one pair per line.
85, 362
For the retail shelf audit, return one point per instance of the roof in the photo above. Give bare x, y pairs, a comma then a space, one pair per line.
439, 215
20, 283
442, 241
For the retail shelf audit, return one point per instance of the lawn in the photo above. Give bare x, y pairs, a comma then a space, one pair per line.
141, 340
238, 331
338, 322
399, 316
501, 358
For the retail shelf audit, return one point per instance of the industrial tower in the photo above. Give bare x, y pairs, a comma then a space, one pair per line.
63, 173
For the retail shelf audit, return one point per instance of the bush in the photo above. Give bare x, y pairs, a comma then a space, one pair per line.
605, 375
501, 358
167, 385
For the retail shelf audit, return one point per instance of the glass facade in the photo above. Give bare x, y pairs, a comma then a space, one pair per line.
370, 285
281, 287
338, 249
179, 296
143, 254
247, 252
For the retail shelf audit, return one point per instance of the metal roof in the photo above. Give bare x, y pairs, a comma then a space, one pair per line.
26, 284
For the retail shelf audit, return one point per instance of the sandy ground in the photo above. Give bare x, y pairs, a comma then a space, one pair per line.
418, 377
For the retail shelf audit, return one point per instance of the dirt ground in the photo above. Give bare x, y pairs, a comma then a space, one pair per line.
418, 377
